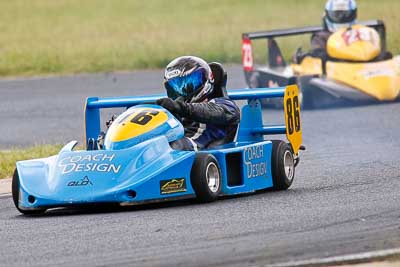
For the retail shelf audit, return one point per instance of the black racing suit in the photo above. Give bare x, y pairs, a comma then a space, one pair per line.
208, 123
320, 39
318, 47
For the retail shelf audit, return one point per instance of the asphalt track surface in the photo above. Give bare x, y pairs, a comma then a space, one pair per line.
345, 198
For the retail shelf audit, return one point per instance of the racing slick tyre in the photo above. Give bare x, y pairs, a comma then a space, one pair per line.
307, 99
306, 93
254, 80
15, 195
205, 177
283, 165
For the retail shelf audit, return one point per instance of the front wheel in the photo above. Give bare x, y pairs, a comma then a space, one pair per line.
283, 165
15, 195
205, 177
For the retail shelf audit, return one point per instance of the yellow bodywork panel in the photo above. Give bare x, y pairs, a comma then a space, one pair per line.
380, 80
358, 43
308, 66
137, 123
291, 106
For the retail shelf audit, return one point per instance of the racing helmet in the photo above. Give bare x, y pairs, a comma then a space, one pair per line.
189, 77
340, 14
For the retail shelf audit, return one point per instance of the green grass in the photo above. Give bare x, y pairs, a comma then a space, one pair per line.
9, 157
71, 36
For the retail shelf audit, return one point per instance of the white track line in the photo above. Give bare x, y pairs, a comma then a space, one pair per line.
5, 187
351, 258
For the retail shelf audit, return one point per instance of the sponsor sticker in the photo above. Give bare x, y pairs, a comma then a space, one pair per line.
101, 162
254, 161
171, 186
362, 34
83, 182
172, 73
172, 123
371, 73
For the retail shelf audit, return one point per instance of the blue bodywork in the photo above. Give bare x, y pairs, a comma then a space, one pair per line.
138, 173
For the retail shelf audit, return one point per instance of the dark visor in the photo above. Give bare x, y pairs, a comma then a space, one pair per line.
342, 16
187, 85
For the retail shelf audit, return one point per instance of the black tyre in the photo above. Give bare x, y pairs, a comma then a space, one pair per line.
15, 195
283, 165
306, 93
205, 177
254, 80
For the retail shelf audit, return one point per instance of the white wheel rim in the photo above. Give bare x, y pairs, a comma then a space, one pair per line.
288, 163
212, 175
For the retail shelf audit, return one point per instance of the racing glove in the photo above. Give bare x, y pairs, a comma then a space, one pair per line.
205, 112
110, 121
100, 141
176, 107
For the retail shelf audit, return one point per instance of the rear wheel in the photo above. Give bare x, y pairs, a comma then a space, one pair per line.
307, 99
15, 195
283, 165
254, 80
306, 93
205, 177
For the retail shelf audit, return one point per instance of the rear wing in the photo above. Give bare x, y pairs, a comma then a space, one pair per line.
247, 53
251, 128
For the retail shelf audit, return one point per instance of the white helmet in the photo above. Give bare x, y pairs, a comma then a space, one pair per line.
340, 14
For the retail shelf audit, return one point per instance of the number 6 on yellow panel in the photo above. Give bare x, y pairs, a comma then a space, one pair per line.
291, 106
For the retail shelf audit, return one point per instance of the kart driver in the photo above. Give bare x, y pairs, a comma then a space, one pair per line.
338, 14
207, 120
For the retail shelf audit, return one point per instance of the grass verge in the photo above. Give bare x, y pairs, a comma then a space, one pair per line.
71, 36
9, 157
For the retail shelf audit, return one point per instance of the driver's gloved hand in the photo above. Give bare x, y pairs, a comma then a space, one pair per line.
298, 56
176, 107
319, 53
110, 121
100, 140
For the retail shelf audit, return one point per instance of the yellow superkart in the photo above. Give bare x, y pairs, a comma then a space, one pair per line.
355, 68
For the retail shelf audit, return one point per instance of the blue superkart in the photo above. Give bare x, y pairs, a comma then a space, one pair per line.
137, 165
